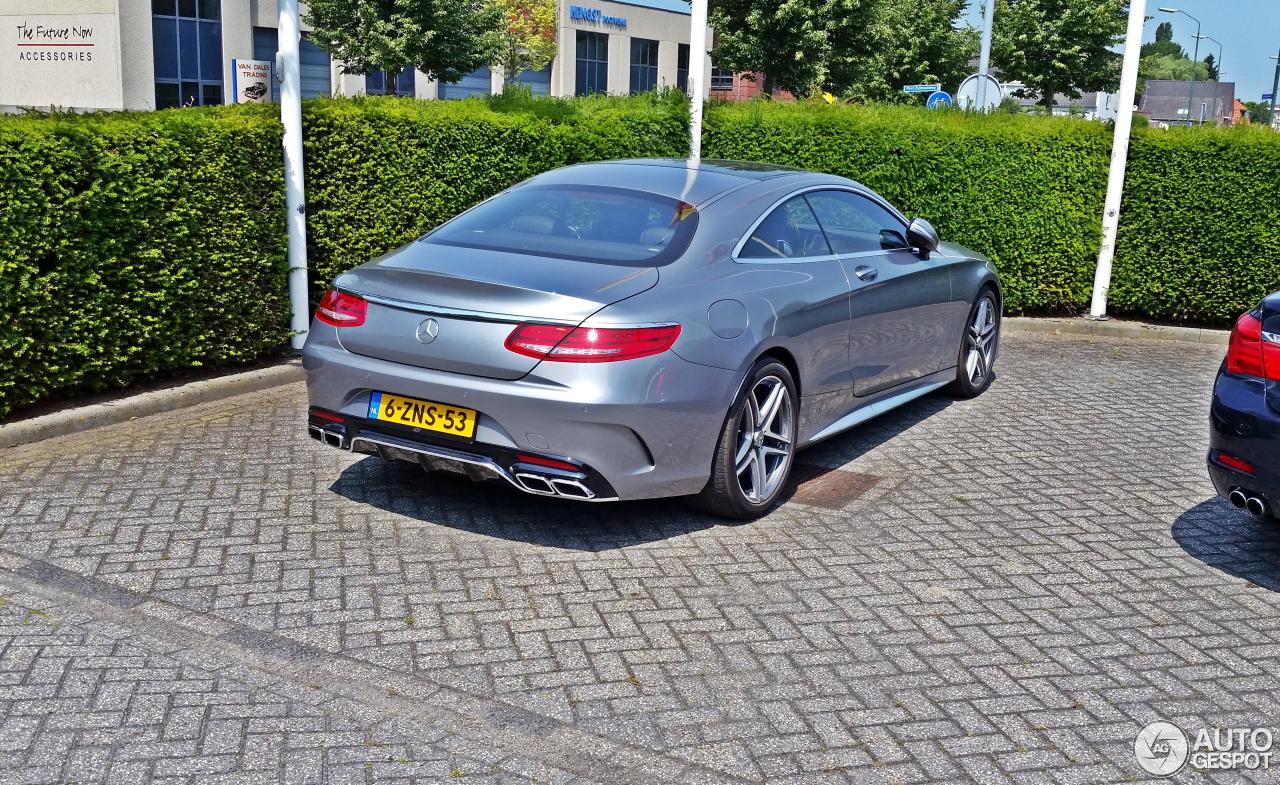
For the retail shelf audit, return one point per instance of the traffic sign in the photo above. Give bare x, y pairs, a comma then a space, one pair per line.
967, 95
922, 88
938, 100
1268, 96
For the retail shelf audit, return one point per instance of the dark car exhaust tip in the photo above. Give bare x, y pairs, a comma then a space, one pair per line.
1237, 498
1256, 506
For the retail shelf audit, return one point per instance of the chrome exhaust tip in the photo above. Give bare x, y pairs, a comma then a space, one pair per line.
535, 483
1237, 498
572, 489
315, 433
1255, 505
333, 439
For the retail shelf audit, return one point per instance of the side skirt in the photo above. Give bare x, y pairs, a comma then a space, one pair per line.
890, 399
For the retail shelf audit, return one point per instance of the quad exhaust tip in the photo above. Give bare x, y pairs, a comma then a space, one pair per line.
553, 486
1255, 506
331, 438
1237, 498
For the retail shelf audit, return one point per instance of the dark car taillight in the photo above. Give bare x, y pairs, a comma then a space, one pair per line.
1252, 351
590, 344
341, 309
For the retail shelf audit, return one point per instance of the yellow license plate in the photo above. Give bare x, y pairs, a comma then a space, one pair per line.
428, 415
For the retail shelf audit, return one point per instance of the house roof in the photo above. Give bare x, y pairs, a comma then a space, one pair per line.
1166, 99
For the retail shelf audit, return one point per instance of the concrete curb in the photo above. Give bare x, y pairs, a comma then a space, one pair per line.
1112, 328
99, 414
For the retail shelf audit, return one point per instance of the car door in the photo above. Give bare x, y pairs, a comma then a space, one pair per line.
897, 295
804, 287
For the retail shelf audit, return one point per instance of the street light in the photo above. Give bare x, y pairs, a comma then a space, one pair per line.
1194, 58
1275, 84
1215, 87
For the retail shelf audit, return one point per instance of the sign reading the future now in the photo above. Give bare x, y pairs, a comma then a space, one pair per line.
595, 16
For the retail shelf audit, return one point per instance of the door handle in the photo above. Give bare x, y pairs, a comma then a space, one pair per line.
865, 273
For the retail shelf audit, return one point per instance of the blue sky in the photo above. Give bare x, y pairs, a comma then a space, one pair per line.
1248, 29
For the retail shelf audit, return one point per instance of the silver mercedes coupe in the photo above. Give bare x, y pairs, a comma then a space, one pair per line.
648, 328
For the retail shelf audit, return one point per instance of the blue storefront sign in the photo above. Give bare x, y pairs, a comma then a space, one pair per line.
595, 16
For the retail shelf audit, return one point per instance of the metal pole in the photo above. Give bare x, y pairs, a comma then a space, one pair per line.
294, 193
1275, 85
984, 55
1119, 157
1216, 118
697, 74
1195, 58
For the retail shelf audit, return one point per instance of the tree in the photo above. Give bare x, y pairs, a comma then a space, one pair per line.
1059, 46
528, 35
444, 39
1211, 68
1257, 110
1164, 32
794, 42
912, 42
1169, 67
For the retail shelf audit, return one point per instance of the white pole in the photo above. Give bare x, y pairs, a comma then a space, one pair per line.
984, 55
1119, 157
294, 194
697, 75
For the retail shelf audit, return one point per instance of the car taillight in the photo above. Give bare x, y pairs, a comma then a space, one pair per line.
1253, 352
341, 309
590, 344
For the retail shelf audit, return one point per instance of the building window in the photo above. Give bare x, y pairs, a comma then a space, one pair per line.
478, 82
313, 63
682, 68
593, 63
186, 36
377, 83
644, 65
721, 79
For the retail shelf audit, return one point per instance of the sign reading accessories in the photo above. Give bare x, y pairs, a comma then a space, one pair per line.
69, 61
595, 16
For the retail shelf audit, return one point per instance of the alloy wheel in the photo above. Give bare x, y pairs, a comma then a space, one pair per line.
980, 342
765, 441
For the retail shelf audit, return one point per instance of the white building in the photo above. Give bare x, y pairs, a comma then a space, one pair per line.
148, 54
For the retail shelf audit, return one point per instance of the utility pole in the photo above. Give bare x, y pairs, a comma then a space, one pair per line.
1119, 158
984, 55
697, 74
1218, 65
1275, 85
287, 69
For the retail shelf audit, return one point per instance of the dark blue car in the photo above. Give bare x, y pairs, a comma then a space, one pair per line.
1244, 437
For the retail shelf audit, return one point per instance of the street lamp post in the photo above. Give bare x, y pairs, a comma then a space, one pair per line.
1215, 86
1275, 85
1194, 58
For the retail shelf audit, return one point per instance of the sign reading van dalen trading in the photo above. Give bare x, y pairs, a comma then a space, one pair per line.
65, 61
252, 81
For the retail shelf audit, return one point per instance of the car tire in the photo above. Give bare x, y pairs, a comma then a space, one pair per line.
756, 448
979, 345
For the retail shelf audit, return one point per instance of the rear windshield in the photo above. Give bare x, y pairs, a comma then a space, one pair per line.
587, 223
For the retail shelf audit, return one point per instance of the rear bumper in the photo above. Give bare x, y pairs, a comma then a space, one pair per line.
1243, 426
645, 428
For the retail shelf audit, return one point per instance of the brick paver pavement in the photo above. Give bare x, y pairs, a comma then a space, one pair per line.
997, 590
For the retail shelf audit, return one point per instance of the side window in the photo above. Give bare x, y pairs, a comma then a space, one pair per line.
855, 224
791, 231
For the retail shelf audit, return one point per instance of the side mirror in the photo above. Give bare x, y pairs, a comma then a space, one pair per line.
922, 235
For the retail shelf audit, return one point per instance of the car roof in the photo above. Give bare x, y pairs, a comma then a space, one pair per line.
678, 178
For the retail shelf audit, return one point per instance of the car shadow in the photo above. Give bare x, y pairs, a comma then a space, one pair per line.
493, 508
1233, 541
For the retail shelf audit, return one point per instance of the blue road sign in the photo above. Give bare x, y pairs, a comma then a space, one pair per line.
938, 100
922, 88
1268, 96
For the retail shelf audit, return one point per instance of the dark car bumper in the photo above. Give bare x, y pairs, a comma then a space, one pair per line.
1244, 428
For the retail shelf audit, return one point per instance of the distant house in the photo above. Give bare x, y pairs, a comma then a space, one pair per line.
1164, 103
1240, 114
1090, 106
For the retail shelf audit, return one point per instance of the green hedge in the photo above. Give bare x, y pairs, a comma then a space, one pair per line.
382, 171
1026, 191
138, 245
135, 245
1199, 235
